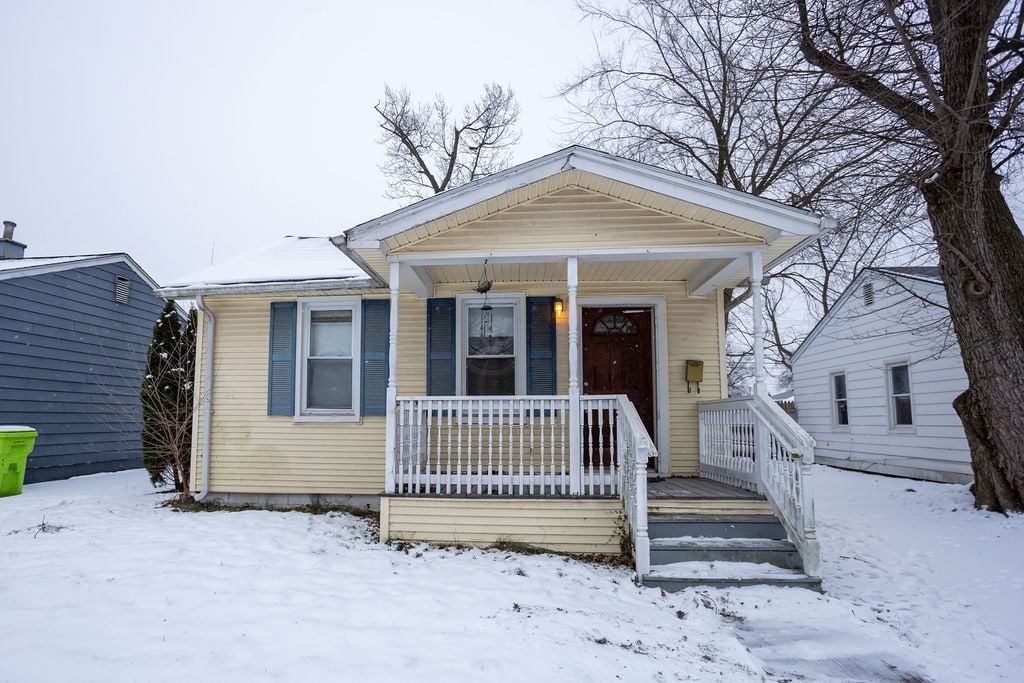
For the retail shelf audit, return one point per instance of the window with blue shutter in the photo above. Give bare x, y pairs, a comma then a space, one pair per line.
376, 329
541, 379
281, 374
441, 347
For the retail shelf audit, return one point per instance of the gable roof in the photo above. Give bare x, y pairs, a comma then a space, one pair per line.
291, 263
38, 265
928, 274
652, 178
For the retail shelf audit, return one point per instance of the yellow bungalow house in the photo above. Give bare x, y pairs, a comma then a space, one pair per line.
537, 356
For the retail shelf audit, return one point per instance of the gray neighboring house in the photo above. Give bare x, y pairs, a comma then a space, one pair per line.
74, 331
875, 379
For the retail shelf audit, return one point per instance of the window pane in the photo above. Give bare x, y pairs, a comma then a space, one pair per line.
840, 385
900, 379
901, 410
490, 376
491, 333
330, 333
842, 413
329, 384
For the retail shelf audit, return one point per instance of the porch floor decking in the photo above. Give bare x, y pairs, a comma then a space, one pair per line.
684, 488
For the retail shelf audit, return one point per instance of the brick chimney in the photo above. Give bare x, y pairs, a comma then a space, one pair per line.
8, 247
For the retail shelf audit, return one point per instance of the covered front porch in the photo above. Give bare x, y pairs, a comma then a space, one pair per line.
628, 382
583, 446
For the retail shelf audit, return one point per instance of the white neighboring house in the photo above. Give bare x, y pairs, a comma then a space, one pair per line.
875, 379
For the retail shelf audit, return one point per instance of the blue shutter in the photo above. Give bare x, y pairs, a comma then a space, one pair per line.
376, 329
441, 347
541, 378
281, 375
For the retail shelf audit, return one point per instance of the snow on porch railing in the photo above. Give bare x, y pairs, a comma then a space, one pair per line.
752, 443
482, 445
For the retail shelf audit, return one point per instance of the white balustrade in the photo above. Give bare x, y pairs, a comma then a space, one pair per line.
752, 443
482, 445
520, 446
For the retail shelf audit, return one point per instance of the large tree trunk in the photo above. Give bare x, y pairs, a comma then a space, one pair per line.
981, 255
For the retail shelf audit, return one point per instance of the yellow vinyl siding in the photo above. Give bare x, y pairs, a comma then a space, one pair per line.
570, 526
694, 325
602, 222
252, 452
586, 195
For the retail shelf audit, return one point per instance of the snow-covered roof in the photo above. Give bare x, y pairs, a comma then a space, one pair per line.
922, 272
9, 264
293, 262
38, 265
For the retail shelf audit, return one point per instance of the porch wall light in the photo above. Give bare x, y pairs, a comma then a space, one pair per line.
559, 307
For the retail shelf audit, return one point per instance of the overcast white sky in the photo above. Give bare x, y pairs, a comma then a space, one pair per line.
163, 128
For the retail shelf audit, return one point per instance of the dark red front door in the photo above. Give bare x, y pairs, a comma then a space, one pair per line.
618, 357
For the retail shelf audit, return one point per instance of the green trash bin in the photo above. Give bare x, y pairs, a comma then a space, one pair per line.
15, 444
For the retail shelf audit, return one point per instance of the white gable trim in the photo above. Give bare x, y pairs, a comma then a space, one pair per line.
841, 302
80, 262
669, 183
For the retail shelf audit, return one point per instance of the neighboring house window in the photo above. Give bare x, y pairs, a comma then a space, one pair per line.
840, 406
900, 408
492, 345
328, 373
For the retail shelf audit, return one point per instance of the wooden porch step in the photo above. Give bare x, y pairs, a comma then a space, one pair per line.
678, 583
715, 526
779, 553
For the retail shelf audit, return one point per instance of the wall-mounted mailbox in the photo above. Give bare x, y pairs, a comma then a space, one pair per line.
694, 374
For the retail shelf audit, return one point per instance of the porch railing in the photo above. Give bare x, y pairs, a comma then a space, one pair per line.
522, 446
635, 448
752, 443
505, 446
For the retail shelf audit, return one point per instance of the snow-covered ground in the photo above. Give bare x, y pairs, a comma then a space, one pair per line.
97, 583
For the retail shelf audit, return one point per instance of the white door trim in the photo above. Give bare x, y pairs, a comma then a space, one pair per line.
661, 412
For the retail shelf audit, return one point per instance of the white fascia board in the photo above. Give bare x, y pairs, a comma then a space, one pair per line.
723, 199
669, 183
454, 258
367, 234
81, 262
283, 287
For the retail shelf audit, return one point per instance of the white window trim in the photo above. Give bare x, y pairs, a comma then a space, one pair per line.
891, 403
836, 424
463, 301
332, 303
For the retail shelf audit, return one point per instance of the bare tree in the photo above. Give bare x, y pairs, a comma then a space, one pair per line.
429, 149
697, 86
951, 74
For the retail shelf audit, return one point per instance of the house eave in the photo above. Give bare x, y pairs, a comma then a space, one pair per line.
669, 183
278, 287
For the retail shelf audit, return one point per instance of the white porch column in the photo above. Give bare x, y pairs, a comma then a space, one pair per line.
575, 427
391, 417
757, 304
